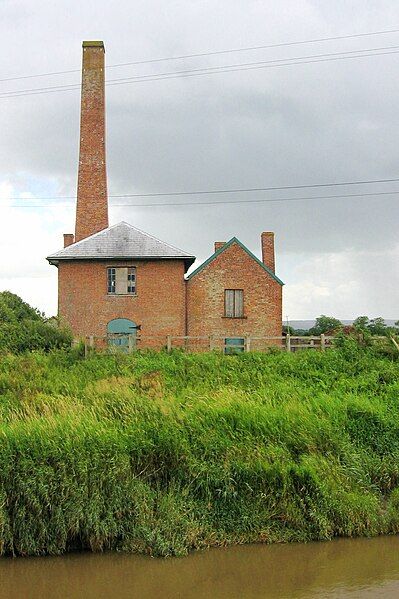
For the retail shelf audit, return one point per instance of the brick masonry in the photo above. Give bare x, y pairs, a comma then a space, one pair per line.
159, 305
234, 268
92, 202
166, 304
267, 243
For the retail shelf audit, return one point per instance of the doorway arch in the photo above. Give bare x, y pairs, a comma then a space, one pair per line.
121, 333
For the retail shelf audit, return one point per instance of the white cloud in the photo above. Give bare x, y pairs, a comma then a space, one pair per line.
344, 285
320, 122
27, 237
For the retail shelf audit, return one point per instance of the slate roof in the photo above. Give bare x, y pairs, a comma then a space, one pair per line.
121, 241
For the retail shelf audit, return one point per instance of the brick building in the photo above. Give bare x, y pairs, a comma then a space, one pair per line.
119, 279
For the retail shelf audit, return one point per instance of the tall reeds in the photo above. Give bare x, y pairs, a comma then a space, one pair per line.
160, 454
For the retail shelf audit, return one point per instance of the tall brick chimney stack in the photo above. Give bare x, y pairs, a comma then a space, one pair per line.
92, 202
267, 241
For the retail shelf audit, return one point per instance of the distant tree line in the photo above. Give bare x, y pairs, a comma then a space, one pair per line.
362, 324
23, 328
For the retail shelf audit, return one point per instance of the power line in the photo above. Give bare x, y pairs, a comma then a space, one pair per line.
211, 53
221, 202
229, 190
215, 70
219, 191
261, 62
255, 201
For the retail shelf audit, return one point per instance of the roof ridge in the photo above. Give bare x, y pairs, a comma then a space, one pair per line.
244, 247
153, 237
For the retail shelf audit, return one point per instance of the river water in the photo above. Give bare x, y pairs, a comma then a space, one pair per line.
344, 569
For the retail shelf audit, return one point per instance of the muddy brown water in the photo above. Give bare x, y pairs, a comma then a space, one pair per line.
341, 569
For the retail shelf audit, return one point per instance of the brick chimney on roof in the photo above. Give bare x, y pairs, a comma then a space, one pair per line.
267, 242
92, 200
68, 239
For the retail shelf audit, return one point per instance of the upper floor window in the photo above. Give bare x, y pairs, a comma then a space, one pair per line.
234, 303
121, 280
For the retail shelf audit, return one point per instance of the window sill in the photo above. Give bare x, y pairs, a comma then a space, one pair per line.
235, 317
121, 294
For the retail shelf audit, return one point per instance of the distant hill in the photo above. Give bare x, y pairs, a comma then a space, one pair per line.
308, 324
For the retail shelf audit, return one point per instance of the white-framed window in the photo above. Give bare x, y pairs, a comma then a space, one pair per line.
121, 280
234, 303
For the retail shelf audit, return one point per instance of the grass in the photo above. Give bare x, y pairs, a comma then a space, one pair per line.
162, 454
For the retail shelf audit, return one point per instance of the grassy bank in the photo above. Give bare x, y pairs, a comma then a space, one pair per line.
165, 453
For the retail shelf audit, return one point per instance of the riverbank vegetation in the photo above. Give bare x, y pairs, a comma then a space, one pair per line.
163, 453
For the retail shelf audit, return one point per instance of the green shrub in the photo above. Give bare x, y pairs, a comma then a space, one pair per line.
23, 328
13, 309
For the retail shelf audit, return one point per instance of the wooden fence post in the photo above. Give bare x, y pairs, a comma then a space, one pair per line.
91, 342
288, 342
169, 344
322, 342
248, 344
130, 344
394, 342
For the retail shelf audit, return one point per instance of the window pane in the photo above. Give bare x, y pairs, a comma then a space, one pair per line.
111, 280
131, 278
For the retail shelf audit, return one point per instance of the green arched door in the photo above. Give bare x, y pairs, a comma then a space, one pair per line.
122, 333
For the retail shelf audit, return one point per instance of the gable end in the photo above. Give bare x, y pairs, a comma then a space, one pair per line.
242, 246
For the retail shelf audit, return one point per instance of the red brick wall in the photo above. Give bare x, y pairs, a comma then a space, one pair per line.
92, 205
234, 269
267, 243
159, 306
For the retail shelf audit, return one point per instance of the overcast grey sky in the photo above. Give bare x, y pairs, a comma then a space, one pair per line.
292, 125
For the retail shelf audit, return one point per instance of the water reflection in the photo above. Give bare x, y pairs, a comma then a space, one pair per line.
344, 569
